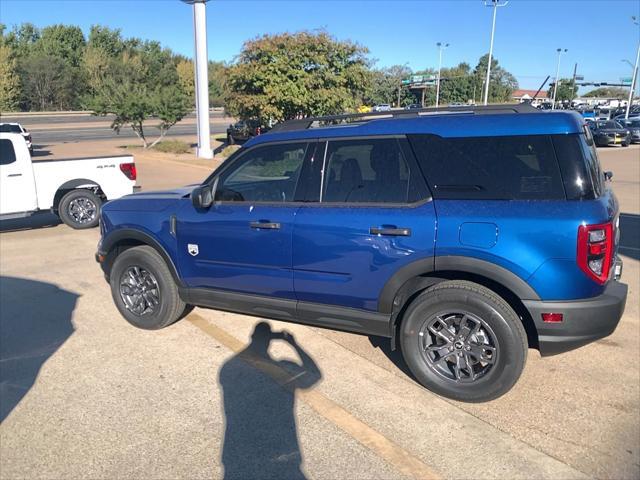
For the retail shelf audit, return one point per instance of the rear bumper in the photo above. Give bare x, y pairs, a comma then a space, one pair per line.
584, 321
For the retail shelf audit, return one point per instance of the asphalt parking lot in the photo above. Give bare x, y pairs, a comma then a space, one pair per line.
85, 395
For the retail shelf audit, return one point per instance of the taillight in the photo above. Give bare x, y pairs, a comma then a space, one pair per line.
595, 250
129, 169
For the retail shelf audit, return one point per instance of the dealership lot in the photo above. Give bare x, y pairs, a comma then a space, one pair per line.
86, 395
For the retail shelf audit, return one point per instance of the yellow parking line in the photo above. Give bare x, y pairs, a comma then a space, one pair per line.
386, 449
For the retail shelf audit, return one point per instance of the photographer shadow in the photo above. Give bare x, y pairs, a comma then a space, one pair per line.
261, 438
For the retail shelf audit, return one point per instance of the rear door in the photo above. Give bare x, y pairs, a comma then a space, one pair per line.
242, 243
17, 187
370, 215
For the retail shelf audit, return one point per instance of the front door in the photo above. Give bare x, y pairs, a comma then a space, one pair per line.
242, 243
17, 187
372, 218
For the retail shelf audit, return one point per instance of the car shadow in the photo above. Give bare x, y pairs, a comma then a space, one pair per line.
37, 220
261, 438
629, 235
395, 356
38, 151
35, 320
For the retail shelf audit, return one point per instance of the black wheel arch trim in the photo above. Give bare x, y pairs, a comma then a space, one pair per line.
69, 186
109, 242
452, 263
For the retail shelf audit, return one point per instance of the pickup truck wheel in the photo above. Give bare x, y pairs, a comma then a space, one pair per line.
144, 291
462, 341
80, 209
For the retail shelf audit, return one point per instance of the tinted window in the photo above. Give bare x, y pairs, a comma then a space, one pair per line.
7, 154
503, 168
264, 174
576, 175
7, 128
367, 171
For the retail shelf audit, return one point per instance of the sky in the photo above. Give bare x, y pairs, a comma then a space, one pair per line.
598, 34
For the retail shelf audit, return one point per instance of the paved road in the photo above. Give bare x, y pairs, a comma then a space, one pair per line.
84, 395
80, 128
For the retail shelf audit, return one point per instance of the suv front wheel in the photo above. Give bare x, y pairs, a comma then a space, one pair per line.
144, 291
462, 341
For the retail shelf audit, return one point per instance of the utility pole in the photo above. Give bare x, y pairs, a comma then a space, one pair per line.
441, 47
555, 87
202, 77
634, 78
495, 4
573, 81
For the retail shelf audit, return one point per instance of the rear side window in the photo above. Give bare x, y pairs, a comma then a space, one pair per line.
490, 168
7, 153
8, 128
579, 165
368, 171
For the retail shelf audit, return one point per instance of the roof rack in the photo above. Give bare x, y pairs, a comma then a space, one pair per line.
328, 120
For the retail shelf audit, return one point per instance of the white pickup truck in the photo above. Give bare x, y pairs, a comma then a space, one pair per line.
74, 189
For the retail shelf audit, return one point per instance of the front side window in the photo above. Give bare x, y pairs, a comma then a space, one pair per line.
7, 153
263, 174
490, 168
367, 171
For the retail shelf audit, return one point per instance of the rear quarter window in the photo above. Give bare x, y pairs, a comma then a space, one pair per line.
490, 168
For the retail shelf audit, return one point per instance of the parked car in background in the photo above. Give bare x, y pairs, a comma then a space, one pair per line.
73, 189
525, 252
243, 130
383, 107
610, 132
17, 128
364, 109
633, 125
413, 106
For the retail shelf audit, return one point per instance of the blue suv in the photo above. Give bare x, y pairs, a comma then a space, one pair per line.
464, 236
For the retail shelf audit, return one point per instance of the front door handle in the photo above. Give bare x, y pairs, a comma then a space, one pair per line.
390, 231
265, 224
14, 175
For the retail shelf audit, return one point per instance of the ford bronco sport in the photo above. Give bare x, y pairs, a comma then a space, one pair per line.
465, 236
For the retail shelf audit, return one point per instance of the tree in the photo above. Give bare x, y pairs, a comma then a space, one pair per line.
386, 83
285, 76
48, 83
501, 84
170, 105
217, 83
187, 78
567, 90
106, 40
608, 92
9, 80
66, 42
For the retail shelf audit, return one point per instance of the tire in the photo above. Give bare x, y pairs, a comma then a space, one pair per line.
144, 291
481, 367
80, 209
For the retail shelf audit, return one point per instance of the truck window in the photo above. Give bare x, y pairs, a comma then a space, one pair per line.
7, 153
522, 167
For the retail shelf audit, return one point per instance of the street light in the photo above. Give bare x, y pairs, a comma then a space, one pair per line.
441, 47
555, 87
495, 4
634, 77
202, 77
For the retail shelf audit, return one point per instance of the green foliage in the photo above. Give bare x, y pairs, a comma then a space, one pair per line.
284, 76
217, 83
48, 83
63, 42
501, 84
9, 80
567, 90
608, 92
386, 83
173, 146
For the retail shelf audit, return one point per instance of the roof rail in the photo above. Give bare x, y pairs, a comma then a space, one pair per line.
328, 120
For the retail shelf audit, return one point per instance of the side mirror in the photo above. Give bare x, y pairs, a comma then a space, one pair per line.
202, 197
608, 175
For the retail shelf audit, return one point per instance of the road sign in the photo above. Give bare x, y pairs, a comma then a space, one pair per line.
580, 77
626, 80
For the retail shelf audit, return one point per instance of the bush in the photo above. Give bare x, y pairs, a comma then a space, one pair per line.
173, 146
227, 151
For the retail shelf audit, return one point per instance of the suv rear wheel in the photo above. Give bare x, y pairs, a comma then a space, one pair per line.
144, 291
463, 341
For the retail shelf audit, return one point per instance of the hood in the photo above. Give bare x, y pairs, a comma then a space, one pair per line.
154, 201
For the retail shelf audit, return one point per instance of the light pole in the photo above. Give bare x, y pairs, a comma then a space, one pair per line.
495, 4
555, 87
441, 47
634, 77
202, 78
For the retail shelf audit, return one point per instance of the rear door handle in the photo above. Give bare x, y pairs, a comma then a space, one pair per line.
14, 175
391, 231
265, 224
